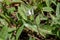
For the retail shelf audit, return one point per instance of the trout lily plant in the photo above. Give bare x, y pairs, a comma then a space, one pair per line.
40, 16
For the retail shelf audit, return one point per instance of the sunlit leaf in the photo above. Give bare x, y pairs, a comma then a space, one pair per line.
11, 29
47, 9
46, 29
1, 39
16, 0
3, 16
54, 1
38, 20
4, 31
3, 22
13, 38
58, 10
0, 5
22, 12
31, 27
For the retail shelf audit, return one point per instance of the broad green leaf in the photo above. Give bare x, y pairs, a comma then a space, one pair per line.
22, 12
0, 5
47, 9
48, 2
3, 16
58, 10
31, 27
7, 2
11, 29
54, 1
46, 29
1, 39
43, 17
38, 20
55, 20
58, 33
19, 32
13, 38
4, 33
16, 0
9, 35
11, 10
3, 22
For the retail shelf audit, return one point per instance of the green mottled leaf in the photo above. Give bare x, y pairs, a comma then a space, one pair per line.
19, 31
46, 29
1, 39
22, 12
31, 27
3, 16
13, 38
0, 5
16, 0
3, 22
7, 2
47, 9
11, 10
11, 29
48, 2
58, 10
38, 20
4, 33
54, 1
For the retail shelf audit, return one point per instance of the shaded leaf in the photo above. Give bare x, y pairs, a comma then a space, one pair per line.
11, 10
48, 2
19, 32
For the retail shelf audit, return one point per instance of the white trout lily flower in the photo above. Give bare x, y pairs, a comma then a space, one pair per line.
30, 12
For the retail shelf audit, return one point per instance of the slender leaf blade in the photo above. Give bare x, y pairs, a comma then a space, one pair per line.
19, 31
58, 10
